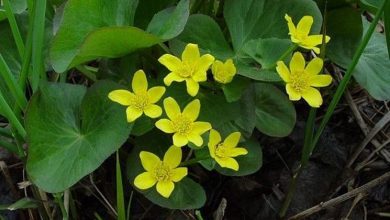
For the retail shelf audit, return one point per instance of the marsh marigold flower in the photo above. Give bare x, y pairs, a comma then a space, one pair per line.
223, 72
141, 100
163, 173
223, 152
191, 68
300, 80
182, 124
300, 34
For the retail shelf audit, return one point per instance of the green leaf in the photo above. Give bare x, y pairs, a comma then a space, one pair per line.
249, 163
147, 9
345, 34
170, 22
18, 6
275, 114
386, 20
24, 203
187, 193
71, 131
252, 19
205, 32
254, 72
246, 122
86, 36
266, 51
235, 89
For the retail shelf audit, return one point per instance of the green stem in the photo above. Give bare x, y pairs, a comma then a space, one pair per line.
58, 198
5, 132
9, 146
344, 82
120, 200
90, 75
196, 6
13, 86
14, 27
286, 54
165, 48
11, 116
193, 161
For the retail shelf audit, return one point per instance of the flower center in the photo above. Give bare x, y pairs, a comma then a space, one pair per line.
182, 125
220, 150
140, 101
187, 70
300, 80
162, 172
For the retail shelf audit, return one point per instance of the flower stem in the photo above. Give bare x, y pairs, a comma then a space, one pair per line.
193, 161
11, 116
285, 54
14, 27
58, 198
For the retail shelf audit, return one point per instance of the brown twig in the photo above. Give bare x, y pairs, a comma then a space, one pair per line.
342, 198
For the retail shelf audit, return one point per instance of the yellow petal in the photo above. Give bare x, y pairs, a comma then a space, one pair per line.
321, 81
200, 127
232, 140
314, 66
237, 151
132, 113
155, 93
173, 157
121, 96
297, 62
153, 111
149, 160
179, 173
191, 53
290, 24
165, 125
165, 188
314, 40
173, 76
191, 111
196, 139
312, 97
214, 139
139, 83
145, 180
304, 25
227, 162
180, 140
204, 64
292, 93
171, 62
212, 149
192, 87
283, 71
172, 109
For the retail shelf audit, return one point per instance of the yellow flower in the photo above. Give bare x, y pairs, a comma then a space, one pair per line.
183, 124
300, 80
223, 152
223, 72
191, 68
300, 33
164, 173
142, 100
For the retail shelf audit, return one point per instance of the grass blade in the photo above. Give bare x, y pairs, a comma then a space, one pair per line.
14, 27
120, 200
386, 20
11, 116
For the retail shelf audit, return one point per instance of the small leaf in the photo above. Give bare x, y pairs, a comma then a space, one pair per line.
24, 203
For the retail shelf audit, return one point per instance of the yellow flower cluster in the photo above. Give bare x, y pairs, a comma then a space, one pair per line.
183, 124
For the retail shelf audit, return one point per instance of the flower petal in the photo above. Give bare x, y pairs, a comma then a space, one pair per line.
312, 97
214, 138
204, 63
232, 140
314, 66
165, 125
145, 180
283, 71
170, 62
191, 53
192, 109
321, 80
297, 62
132, 113
179, 173
153, 111
196, 139
173, 76
292, 93
165, 188
139, 83
172, 109
173, 157
237, 151
121, 96
304, 25
200, 127
290, 24
314, 40
155, 93
180, 140
227, 162
149, 160
192, 87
